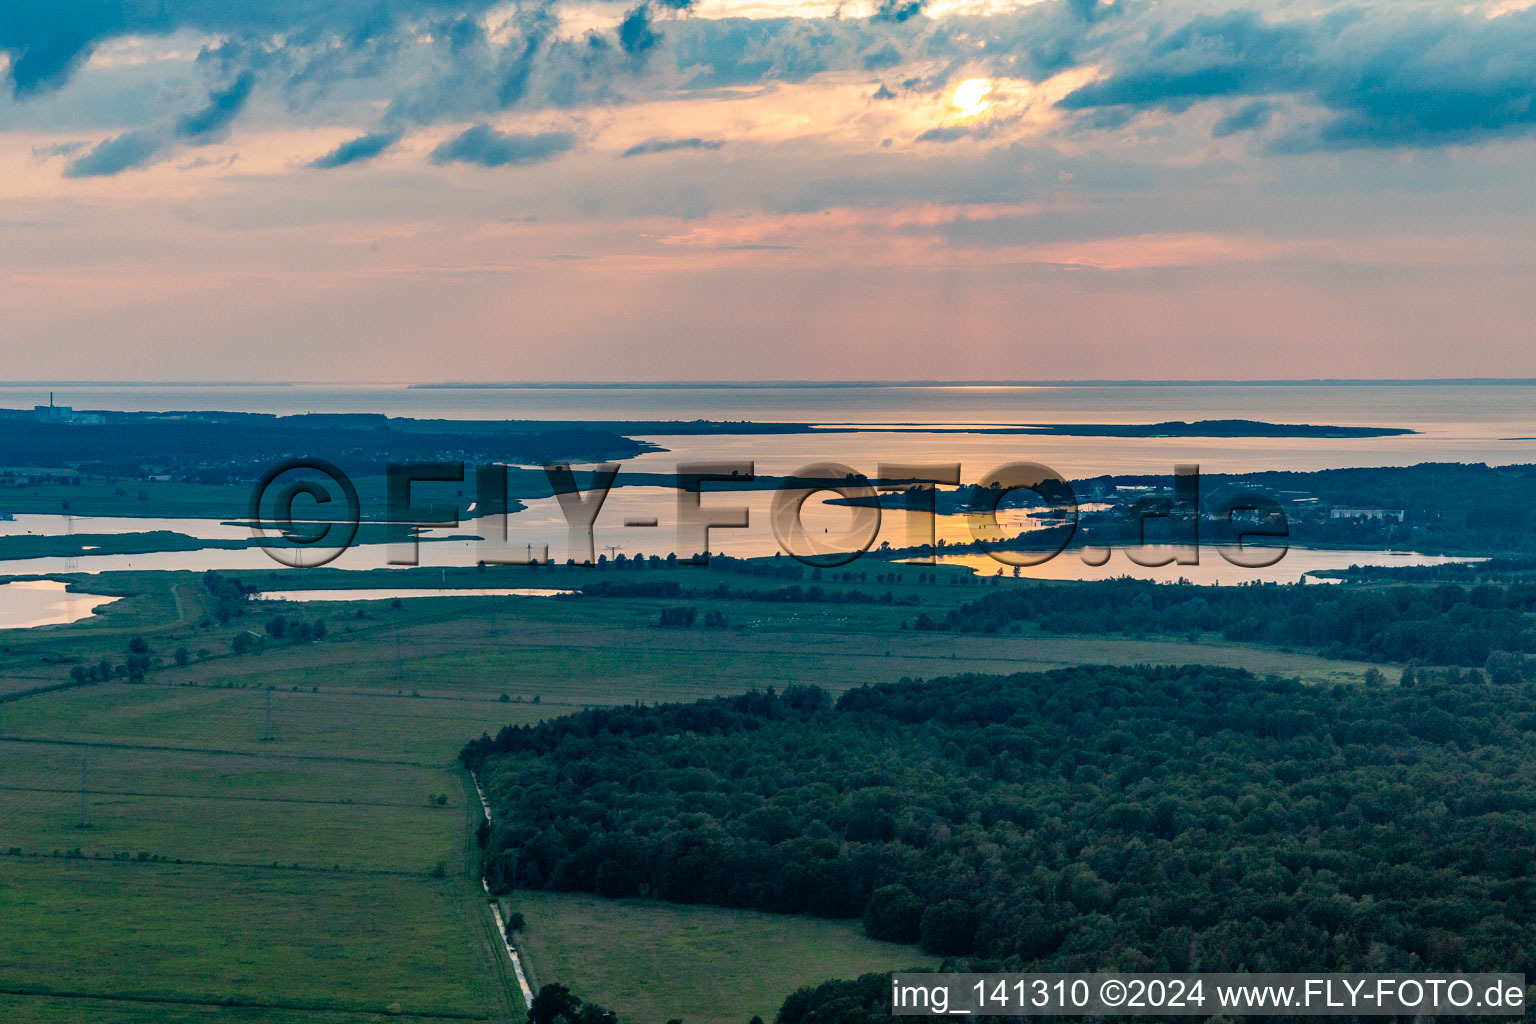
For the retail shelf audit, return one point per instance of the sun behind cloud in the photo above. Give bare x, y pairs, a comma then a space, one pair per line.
970, 98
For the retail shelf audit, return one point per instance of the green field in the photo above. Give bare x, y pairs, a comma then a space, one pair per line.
37, 1009
201, 934
347, 726
651, 961
228, 809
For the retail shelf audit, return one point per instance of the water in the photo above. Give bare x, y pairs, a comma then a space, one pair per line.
1446, 410
53, 525
757, 541
1456, 422
539, 531
45, 602
1075, 457
28, 603
1297, 564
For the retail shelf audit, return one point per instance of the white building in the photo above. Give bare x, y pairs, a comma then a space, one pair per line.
1366, 513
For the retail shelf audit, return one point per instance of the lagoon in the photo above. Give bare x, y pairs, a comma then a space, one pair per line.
28, 603
1297, 566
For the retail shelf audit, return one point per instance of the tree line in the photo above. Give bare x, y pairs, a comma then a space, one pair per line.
1448, 624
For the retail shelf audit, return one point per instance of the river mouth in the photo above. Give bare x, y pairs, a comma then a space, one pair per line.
28, 603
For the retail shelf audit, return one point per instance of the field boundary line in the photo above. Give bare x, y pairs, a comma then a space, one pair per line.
232, 1003
185, 862
213, 796
12, 696
110, 745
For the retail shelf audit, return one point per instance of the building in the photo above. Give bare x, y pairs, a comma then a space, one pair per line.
1381, 514
51, 413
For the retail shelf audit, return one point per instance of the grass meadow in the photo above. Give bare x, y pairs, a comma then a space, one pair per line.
652, 961
195, 933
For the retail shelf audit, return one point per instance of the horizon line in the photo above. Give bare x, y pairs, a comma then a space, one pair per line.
452, 385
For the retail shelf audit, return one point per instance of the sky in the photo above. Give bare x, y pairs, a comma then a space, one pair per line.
430, 190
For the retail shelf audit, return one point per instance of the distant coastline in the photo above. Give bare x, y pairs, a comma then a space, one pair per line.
110, 423
760, 385
662, 385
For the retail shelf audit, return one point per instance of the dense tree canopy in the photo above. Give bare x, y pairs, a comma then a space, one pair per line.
1091, 818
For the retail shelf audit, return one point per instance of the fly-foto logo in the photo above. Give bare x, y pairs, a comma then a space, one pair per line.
330, 513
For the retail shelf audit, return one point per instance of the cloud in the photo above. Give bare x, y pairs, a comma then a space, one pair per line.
956, 132
213, 121
1379, 78
436, 61
948, 133
669, 145
635, 32
114, 155
48, 41
43, 51
1244, 119
535, 26
485, 146
1228, 55
58, 149
881, 57
358, 150
898, 10
883, 93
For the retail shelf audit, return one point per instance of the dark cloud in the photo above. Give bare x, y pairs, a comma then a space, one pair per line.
670, 145
638, 33
883, 93
898, 10
635, 32
1382, 77
358, 150
126, 151
948, 133
1245, 118
212, 121
886, 56
485, 146
47, 41
1230, 55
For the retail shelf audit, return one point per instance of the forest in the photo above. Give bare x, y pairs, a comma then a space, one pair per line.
1446, 624
217, 447
1096, 818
